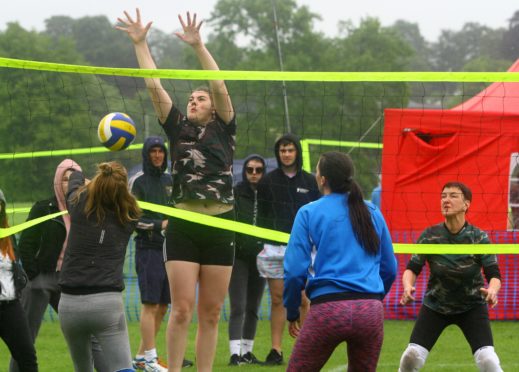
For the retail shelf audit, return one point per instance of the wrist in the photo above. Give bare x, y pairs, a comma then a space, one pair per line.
199, 46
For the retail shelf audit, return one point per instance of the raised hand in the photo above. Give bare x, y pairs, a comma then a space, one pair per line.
134, 28
191, 34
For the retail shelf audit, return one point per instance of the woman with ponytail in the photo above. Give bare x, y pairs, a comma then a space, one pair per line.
340, 249
14, 329
103, 215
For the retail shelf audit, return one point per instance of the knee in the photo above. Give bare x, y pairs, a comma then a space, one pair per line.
276, 299
487, 359
413, 358
209, 315
181, 314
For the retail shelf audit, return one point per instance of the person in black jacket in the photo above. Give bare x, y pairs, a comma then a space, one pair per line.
281, 193
14, 329
103, 215
154, 185
247, 286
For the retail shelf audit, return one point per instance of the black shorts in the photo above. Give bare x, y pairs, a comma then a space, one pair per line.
151, 275
193, 242
474, 324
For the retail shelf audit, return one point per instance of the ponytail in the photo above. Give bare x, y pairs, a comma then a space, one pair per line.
361, 222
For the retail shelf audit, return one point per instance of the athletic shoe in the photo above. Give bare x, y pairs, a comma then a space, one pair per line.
138, 364
274, 358
155, 366
235, 360
187, 363
249, 358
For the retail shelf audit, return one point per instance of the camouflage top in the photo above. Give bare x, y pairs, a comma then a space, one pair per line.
201, 158
455, 279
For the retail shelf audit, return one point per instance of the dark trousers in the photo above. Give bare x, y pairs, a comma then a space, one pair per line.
14, 330
474, 324
245, 292
41, 291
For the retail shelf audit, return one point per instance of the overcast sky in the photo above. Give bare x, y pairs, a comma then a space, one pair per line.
431, 15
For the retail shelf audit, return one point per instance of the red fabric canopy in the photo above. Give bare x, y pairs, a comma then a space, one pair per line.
497, 97
475, 143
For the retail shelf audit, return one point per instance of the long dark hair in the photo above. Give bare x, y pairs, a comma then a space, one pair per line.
338, 170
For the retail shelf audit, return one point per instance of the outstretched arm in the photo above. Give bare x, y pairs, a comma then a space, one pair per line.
137, 32
191, 35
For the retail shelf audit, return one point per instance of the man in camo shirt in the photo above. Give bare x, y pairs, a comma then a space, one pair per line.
456, 292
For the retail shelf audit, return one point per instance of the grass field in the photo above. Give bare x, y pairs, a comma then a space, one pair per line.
452, 353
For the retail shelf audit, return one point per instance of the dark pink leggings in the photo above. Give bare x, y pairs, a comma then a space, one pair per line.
360, 323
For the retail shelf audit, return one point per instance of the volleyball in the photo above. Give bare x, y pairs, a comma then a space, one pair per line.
116, 131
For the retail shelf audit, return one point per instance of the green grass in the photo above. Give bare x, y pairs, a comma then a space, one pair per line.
451, 353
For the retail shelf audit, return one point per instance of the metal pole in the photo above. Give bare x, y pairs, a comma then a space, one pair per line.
280, 57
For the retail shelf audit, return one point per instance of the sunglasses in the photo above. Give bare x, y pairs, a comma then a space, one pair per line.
251, 170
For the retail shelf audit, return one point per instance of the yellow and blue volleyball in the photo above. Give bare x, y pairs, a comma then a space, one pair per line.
116, 131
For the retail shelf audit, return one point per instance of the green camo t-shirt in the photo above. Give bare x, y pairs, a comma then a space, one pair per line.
455, 279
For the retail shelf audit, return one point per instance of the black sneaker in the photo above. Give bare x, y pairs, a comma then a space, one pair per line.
187, 363
235, 360
274, 358
249, 358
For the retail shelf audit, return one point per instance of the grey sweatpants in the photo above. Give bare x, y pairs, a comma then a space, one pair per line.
100, 315
245, 292
41, 291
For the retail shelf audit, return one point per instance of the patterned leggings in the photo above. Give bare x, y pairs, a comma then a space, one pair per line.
358, 322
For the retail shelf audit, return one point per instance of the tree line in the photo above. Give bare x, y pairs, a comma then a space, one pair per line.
46, 110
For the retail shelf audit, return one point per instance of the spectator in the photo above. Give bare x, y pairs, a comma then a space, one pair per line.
247, 286
281, 193
14, 329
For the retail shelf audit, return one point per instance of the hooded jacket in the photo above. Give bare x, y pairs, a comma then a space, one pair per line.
40, 246
246, 208
281, 196
152, 185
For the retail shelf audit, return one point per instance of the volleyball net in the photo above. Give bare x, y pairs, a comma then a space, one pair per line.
49, 112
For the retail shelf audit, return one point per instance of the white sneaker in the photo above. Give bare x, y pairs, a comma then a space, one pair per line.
154, 366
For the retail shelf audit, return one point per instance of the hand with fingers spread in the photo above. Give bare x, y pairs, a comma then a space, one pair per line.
191, 34
134, 28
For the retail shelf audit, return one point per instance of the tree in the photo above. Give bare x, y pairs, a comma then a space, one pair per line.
455, 49
509, 45
339, 111
45, 110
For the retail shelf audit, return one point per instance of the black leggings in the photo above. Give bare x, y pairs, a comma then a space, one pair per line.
474, 324
14, 330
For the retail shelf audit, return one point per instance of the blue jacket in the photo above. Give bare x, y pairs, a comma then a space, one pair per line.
341, 265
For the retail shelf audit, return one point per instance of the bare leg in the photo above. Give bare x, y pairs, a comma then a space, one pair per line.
151, 318
277, 313
213, 287
182, 277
